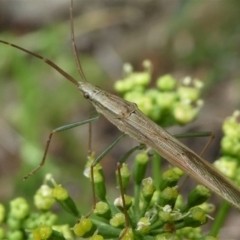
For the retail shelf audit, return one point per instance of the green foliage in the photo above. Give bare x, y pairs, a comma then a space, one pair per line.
155, 208
31, 112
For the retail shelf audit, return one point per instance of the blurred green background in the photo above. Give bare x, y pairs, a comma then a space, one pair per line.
197, 38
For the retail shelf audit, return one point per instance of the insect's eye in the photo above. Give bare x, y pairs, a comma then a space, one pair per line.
86, 95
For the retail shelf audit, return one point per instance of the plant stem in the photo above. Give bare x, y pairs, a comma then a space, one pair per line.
220, 218
156, 169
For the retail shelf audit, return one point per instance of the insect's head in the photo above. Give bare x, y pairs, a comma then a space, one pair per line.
88, 90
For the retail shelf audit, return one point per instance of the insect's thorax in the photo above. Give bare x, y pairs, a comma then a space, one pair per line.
112, 106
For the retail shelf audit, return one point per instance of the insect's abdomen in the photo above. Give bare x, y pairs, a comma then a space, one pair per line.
146, 131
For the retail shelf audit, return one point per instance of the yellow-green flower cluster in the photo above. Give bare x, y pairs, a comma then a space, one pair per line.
229, 162
19, 222
170, 102
150, 209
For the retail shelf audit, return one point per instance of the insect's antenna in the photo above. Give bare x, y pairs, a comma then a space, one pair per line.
47, 61
74, 47
90, 138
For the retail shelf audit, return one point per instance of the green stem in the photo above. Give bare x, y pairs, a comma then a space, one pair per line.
156, 169
220, 218
136, 200
104, 228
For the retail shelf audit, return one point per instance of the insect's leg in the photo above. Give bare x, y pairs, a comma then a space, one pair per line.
211, 138
94, 163
89, 139
122, 187
122, 192
124, 158
59, 129
90, 152
196, 134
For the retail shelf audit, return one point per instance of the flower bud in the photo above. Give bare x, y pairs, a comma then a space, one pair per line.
166, 83
118, 220
99, 184
60, 193
143, 225
84, 228
148, 189
169, 178
140, 166
196, 217
102, 210
19, 208
184, 112
168, 196
197, 196
119, 203
42, 233
96, 237
125, 175
43, 199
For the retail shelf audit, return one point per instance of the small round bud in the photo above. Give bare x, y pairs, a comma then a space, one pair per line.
84, 228
196, 217
119, 202
118, 220
102, 210
143, 225
60, 193
96, 237
166, 83
42, 233
168, 196
19, 208
43, 199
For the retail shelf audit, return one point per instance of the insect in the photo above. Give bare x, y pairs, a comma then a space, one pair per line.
130, 120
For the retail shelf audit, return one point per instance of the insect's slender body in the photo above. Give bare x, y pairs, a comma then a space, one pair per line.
130, 120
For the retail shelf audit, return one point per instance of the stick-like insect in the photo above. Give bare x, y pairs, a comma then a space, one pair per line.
130, 120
